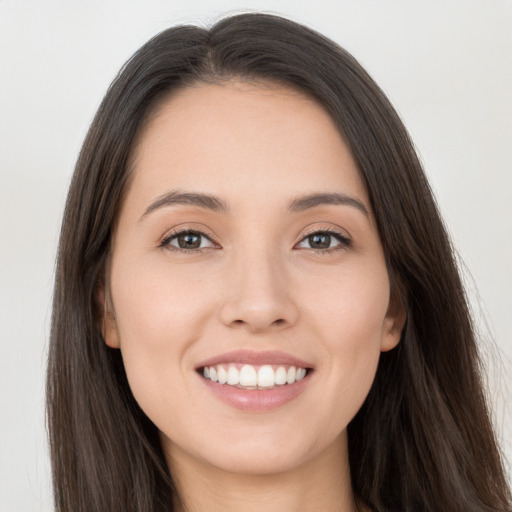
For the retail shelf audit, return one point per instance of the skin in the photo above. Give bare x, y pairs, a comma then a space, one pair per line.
259, 285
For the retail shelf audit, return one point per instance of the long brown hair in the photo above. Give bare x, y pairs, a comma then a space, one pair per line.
422, 441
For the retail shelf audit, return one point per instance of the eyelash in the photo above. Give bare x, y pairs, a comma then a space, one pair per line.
344, 241
167, 240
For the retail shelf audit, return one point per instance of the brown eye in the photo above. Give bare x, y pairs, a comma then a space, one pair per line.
324, 240
188, 240
319, 241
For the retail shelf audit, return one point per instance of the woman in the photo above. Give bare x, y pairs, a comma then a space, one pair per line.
256, 302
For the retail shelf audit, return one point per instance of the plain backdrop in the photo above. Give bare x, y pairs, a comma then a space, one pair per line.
446, 66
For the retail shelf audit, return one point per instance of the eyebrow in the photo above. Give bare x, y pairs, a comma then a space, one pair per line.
313, 200
176, 197
217, 204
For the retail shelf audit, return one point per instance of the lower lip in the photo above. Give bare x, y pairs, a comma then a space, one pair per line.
257, 400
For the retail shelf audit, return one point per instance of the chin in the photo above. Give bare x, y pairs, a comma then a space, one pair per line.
258, 455
259, 463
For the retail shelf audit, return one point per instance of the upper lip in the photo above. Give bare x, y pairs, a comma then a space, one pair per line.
255, 358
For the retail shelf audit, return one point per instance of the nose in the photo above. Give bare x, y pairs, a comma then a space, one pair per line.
259, 296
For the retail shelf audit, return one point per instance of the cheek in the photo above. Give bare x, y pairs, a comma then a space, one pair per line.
157, 322
350, 315
352, 307
154, 305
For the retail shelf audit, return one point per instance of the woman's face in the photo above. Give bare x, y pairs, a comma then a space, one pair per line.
247, 245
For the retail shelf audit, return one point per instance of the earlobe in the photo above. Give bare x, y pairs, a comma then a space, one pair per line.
107, 318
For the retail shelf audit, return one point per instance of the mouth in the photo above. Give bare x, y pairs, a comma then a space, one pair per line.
256, 381
254, 377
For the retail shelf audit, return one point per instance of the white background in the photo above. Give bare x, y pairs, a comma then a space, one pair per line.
446, 66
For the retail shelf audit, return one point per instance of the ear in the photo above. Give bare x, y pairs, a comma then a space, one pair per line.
394, 323
107, 318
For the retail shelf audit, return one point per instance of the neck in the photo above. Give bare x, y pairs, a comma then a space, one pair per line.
322, 483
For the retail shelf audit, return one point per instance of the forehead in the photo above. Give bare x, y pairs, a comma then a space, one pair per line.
242, 140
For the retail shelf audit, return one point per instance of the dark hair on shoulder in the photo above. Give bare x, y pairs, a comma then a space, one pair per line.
422, 441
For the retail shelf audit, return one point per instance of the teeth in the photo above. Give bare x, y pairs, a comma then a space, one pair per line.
301, 373
222, 375
249, 376
233, 376
280, 376
266, 377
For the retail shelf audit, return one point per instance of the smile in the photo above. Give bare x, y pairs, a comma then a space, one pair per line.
248, 376
256, 381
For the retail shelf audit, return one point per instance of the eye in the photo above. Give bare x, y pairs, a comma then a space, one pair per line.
188, 241
325, 240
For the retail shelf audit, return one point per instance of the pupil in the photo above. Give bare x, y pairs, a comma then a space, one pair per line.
320, 241
189, 241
